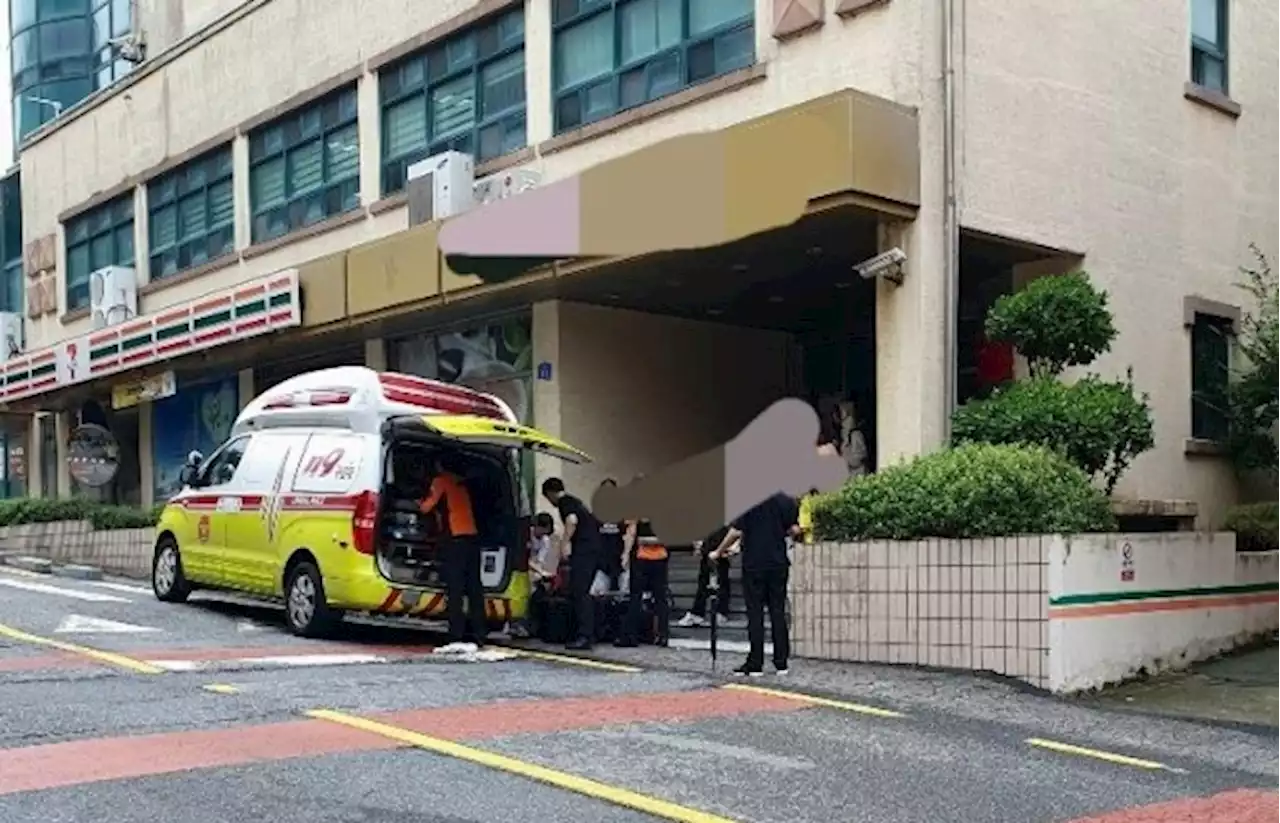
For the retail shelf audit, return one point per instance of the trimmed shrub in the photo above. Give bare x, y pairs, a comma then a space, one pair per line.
1257, 526
1054, 322
1098, 425
46, 510
974, 490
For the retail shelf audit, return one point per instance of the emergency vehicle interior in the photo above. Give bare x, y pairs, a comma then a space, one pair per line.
407, 551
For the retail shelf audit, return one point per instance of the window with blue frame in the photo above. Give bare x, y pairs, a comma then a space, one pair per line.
465, 94
12, 294
612, 55
100, 237
1209, 44
191, 214
305, 167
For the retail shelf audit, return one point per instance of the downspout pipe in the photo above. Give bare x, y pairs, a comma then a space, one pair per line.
950, 220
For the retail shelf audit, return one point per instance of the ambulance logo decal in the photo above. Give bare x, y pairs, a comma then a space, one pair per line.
271, 511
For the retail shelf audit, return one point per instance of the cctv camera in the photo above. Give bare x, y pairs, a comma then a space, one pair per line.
886, 264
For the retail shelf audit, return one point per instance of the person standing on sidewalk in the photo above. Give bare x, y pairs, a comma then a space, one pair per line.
613, 554
763, 531
648, 564
582, 536
697, 614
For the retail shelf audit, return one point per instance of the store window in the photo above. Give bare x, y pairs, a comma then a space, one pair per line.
198, 418
494, 357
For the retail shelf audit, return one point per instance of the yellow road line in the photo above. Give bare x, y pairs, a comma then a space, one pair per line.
220, 688
1098, 754
576, 661
843, 705
580, 785
110, 658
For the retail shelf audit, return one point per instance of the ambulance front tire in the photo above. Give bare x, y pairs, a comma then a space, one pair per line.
167, 579
306, 611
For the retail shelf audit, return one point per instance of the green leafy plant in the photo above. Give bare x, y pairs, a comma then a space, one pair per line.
45, 510
1257, 526
974, 490
1099, 425
1253, 395
1054, 322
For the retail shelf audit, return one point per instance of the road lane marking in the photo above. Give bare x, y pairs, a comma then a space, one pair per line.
111, 658
118, 587
220, 688
573, 660
1098, 754
843, 705
702, 748
563, 780
193, 665
78, 623
44, 588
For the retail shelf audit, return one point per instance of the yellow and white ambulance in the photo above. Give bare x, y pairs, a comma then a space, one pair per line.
314, 499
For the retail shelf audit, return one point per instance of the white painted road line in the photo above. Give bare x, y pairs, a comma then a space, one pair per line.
43, 588
269, 660
117, 587
79, 624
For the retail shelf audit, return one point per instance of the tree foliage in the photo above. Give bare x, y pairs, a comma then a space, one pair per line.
1055, 322
1252, 397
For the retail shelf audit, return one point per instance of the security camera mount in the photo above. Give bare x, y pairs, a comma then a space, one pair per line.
886, 265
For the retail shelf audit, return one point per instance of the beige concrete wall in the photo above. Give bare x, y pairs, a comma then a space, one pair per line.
639, 391
1084, 141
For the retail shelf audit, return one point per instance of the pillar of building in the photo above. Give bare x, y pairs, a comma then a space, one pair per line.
368, 107
146, 455
62, 440
537, 74
375, 353
242, 196
245, 388
546, 385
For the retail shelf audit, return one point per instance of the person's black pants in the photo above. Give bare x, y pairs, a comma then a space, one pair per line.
704, 584
462, 580
767, 589
647, 576
582, 570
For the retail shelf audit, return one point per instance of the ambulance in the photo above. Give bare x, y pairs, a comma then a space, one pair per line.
314, 500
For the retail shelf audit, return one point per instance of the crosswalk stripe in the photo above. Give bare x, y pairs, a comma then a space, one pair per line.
44, 588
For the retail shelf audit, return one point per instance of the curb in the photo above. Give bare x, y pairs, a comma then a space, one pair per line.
31, 564
78, 572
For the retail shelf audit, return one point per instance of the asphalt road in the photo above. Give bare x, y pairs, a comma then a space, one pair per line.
211, 711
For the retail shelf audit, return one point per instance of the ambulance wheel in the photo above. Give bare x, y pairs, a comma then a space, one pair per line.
305, 608
167, 580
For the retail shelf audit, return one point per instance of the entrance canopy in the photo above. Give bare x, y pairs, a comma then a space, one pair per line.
699, 190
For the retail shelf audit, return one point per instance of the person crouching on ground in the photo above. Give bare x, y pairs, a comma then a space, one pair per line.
544, 561
648, 565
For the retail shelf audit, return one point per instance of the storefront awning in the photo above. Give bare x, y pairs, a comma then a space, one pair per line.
247, 310
698, 190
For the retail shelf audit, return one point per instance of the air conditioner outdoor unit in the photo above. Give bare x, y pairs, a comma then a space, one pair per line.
11, 334
440, 186
113, 296
505, 184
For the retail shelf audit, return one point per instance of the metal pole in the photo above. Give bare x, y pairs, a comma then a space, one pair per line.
950, 222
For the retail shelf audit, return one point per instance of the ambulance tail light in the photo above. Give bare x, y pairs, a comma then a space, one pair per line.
364, 521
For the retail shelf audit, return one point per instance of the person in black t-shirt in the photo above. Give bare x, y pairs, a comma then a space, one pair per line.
763, 531
582, 535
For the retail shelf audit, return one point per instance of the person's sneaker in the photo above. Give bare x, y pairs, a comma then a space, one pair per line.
746, 671
782, 672
691, 621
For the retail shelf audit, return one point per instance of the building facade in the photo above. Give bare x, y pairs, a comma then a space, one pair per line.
724, 164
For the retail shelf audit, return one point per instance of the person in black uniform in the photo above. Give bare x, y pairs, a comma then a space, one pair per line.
764, 530
582, 535
612, 550
648, 562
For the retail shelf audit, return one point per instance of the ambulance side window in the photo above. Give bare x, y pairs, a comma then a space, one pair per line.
221, 467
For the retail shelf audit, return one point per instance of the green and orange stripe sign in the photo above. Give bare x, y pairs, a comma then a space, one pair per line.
248, 310
1108, 604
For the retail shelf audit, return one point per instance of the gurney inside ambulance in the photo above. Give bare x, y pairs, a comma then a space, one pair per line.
410, 539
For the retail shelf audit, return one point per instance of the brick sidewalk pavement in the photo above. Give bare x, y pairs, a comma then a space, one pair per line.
1240, 806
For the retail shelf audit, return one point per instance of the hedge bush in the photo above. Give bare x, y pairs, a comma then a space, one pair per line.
1099, 425
973, 490
1257, 526
100, 515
